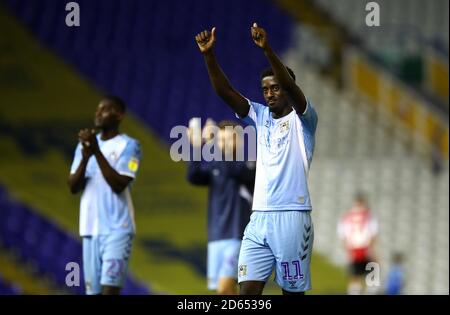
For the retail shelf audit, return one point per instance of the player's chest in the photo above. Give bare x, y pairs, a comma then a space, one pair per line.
111, 152
276, 135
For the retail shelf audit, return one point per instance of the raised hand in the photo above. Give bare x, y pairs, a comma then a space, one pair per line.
205, 40
259, 36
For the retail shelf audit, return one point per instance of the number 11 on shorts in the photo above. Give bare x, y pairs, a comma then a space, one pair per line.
298, 272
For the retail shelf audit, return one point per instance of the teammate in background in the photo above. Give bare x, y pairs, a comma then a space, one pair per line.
104, 168
358, 229
396, 276
229, 206
280, 232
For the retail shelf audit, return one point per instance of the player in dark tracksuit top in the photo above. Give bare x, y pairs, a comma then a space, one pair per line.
229, 207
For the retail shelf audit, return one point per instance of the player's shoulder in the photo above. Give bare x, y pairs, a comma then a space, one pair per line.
129, 140
132, 145
256, 106
262, 111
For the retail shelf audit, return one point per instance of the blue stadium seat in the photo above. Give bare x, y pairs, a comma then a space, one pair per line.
145, 51
41, 242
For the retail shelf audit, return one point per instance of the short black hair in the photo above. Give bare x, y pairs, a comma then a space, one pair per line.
117, 101
269, 72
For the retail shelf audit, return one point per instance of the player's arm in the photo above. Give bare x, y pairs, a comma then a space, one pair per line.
205, 41
116, 181
282, 75
77, 180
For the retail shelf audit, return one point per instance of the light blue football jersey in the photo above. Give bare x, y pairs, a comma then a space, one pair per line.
102, 211
284, 153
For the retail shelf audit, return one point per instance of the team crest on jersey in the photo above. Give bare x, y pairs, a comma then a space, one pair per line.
133, 164
284, 127
242, 270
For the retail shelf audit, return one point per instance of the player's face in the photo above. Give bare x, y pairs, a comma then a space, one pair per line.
273, 94
107, 115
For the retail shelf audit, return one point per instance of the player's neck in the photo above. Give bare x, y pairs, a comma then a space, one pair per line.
283, 112
109, 134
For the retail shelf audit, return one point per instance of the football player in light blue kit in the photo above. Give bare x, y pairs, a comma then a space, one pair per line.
104, 167
280, 232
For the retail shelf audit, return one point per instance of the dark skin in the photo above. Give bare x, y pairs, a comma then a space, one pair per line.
280, 93
107, 119
288, 94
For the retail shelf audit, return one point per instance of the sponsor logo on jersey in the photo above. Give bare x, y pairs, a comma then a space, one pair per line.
133, 164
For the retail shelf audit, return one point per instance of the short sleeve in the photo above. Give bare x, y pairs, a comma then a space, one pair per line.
130, 159
254, 112
76, 160
309, 117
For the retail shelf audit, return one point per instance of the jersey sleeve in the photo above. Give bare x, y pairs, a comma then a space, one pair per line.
76, 160
309, 117
254, 112
130, 159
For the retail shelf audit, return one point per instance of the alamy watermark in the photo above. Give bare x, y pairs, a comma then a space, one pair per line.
217, 144
374, 274
73, 17
373, 17
73, 276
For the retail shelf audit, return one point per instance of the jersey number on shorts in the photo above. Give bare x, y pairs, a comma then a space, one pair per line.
115, 268
287, 275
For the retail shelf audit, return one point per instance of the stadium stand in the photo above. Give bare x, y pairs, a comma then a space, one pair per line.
158, 72
152, 59
7, 288
49, 248
66, 101
410, 24
411, 41
359, 148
